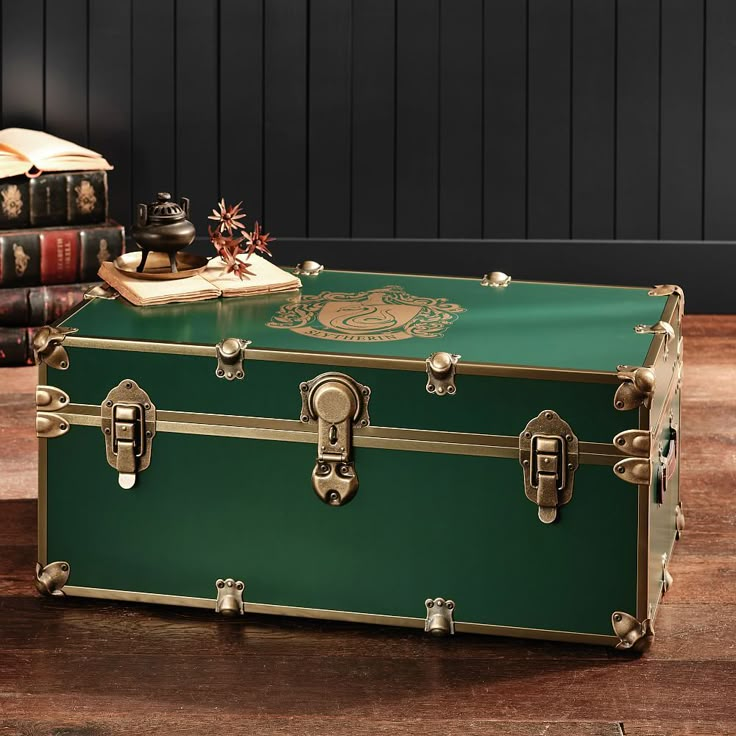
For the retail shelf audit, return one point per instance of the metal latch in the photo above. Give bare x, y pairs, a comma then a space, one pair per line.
440, 617
129, 425
337, 403
229, 597
441, 369
230, 357
548, 453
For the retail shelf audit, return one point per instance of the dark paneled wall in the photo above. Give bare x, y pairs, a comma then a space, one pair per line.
500, 120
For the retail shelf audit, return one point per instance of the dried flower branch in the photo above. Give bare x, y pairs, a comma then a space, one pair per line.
228, 217
258, 241
227, 241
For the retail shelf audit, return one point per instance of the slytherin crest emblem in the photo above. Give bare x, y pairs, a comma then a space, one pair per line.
86, 197
12, 202
378, 315
21, 258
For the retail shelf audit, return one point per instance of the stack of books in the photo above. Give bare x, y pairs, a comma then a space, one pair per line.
54, 233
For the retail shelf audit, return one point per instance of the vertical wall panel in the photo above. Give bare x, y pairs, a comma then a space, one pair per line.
593, 118
637, 166
109, 97
417, 120
373, 118
66, 69
22, 50
285, 134
461, 119
720, 121
504, 111
197, 148
153, 99
330, 50
549, 119
681, 195
241, 104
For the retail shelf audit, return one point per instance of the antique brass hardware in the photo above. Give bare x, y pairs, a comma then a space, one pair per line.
48, 348
667, 465
439, 621
548, 453
230, 357
667, 290
230, 597
50, 425
441, 369
308, 268
337, 403
101, 291
128, 422
50, 398
636, 470
635, 442
636, 388
634, 635
679, 520
667, 579
660, 328
497, 279
52, 578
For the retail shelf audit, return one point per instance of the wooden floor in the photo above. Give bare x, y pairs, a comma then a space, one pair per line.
76, 667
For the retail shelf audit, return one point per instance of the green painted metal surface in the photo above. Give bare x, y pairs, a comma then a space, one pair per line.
528, 324
483, 404
421, 525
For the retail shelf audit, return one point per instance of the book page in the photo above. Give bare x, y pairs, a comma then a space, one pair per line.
47, 152
266, 277
146, 293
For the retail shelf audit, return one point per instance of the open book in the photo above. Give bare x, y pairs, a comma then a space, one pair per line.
210, 284
22, 150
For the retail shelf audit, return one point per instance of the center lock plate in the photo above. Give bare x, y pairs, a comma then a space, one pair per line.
338, 404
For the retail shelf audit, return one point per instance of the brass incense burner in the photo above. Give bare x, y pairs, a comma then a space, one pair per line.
163, 226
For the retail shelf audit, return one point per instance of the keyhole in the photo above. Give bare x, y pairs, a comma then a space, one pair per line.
333, 434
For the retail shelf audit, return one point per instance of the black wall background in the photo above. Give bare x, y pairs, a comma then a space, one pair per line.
578, 140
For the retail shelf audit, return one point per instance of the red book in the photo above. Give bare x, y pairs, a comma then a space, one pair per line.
59, 256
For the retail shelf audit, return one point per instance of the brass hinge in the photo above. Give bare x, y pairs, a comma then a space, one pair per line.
636, 388
337, 403
52, 578
440, 617
634, 635
441, 369
128, 421
50, 400
229, 597
48, 348
496, 279
230, 356
548, 453
660, 328
636, 470
637, 442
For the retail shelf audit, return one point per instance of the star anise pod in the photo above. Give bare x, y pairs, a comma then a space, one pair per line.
228, 217
234, 265
257, 241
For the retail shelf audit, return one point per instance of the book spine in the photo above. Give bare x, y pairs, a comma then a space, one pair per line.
72, 198
16, 346
39, 305
71, 255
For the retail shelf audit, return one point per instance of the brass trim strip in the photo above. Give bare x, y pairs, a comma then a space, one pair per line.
387, 438
42, 519
331, 615
346, 360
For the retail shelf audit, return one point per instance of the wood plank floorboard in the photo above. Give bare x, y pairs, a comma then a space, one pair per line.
72, 667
